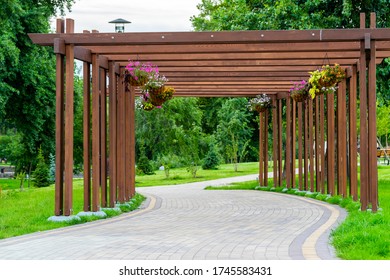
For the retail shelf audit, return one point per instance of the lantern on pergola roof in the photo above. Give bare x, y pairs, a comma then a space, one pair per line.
120, 24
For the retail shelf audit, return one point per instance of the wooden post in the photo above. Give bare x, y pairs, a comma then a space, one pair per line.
86, 136
300, 118
342, 140
280, 137
317, 141
261, 149
330, 143
95, 134
372, 144
322, 143
127, 97
69, 122
275, 141
310, 147
113, 133
121, 139
266, 147
103, 136
132, 143
363, 123
353, 134
288, 143
293, 142
306, 149
60, 98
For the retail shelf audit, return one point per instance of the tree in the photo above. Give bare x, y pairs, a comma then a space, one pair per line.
41, 176
173, 130
27, 74
286, 14
233, 132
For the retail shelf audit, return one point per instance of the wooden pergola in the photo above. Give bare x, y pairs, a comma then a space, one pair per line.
321, 146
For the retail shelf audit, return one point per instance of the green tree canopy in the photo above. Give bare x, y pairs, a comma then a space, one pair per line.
27, 73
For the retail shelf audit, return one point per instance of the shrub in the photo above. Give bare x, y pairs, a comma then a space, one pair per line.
41, 176
211, 160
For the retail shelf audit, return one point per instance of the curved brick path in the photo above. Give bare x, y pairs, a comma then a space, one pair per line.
187, 222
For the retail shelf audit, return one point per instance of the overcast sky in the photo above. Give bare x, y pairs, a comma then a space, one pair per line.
145, 15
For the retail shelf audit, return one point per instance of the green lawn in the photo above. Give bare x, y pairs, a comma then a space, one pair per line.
181, 176
27, 211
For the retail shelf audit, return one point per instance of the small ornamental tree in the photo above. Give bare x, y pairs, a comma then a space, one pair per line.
143, 165
41, 176
212, 159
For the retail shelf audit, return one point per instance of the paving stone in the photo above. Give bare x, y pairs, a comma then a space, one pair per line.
189, 222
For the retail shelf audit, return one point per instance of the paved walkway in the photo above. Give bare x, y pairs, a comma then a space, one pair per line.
188, 222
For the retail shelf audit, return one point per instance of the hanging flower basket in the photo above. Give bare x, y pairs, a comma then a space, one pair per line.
260, 103
138, 74
324, 80
158, 97
300, 91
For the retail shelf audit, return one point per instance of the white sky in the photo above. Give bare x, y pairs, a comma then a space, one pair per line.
145, 15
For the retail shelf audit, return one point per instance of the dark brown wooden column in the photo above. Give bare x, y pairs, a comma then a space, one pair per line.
310, 143
60, 133
127, 128
121, 139
280, 145
330, 144
300, 165
306, 149
288, 143
372, 140
322, 143
363, 122
293, 142
317, 141
132, 143
86, 135
69, 122
342, 139
103, 137
353, 134
275, 141
113, 133
266, 113
261, 149
95, 134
